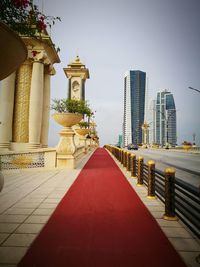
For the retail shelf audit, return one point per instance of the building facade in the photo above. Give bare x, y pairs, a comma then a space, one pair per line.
134, 106
165, 132
151, 119
25, 98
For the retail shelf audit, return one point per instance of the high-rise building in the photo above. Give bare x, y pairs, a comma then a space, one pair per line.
165, 119
134, 106
151, 120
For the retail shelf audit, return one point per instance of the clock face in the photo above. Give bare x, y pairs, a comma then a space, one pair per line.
75, 90
75, 86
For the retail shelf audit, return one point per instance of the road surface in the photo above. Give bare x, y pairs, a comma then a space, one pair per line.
187, 164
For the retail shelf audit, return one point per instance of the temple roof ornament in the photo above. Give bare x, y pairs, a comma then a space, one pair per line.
77, 68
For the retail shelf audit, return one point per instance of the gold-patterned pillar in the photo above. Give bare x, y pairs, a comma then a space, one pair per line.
6, 111
21, 107
36, 103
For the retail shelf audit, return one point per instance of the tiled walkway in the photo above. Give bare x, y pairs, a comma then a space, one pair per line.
29, 198
26, 202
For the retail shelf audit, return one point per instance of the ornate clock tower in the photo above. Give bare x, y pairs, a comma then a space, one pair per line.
77, 74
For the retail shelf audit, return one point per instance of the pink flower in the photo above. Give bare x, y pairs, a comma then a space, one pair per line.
21, 3
34, 53
42, 25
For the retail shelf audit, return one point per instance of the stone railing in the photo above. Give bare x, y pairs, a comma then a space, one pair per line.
40, 158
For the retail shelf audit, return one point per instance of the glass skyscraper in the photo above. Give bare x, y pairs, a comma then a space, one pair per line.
165, 119
151, 119
134, 106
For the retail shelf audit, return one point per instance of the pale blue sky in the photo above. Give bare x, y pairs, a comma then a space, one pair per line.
159, 37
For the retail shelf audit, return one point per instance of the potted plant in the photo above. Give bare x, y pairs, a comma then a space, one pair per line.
84, 128
69, 111
19, 18
24, 17
84, 125
93, 134
187, 145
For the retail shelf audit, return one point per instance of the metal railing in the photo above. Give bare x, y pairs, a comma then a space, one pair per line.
181, 199
187, 203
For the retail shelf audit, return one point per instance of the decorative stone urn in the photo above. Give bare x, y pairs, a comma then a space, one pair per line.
187, 147
66, 146
67, 119
82, 131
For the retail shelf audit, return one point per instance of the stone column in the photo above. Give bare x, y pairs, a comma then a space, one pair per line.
36, 104
6, 111
46, 109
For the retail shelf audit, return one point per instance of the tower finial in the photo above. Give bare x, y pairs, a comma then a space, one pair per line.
77, 58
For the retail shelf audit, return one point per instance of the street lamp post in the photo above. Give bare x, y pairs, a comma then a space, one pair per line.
197, 90
194, 137
145, 129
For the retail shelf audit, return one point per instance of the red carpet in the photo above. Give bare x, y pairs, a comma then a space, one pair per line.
101, 222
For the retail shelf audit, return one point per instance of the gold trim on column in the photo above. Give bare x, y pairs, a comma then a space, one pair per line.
21, 108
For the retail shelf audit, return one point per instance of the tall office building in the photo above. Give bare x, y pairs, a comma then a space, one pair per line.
134, 106
151, 120
165, 119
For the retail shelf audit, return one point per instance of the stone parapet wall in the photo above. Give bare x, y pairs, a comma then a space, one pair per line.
43, 158
40, 158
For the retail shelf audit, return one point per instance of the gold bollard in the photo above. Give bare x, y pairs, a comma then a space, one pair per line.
151, 179
133, 166
169, 195
124, 158
140, 171
128, 167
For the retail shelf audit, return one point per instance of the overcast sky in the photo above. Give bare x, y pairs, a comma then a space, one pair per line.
159, 37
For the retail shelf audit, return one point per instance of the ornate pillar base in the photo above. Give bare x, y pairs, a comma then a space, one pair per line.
33, 145
4, 146
88, 144
66, 149
1, 181
84, 143
66, 145
65, 161
44, 146
16, 146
